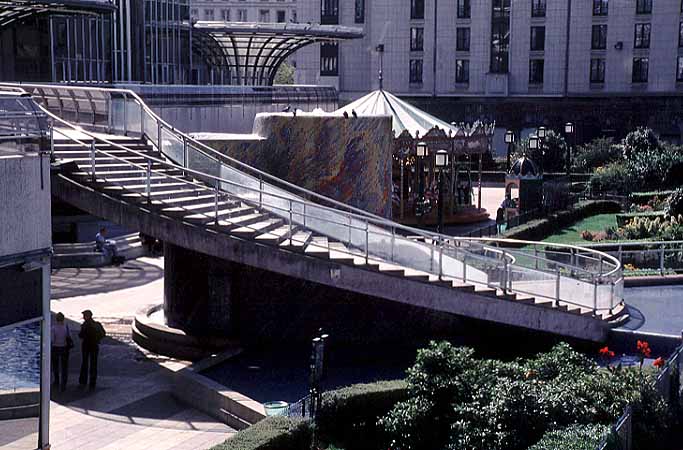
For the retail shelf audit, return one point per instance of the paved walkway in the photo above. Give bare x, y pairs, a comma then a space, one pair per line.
132, 407
655, 309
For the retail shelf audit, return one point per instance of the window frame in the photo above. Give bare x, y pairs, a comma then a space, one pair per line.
417, 39
538, 8
601, 63
417, 9
465, 69
601, 42
642, 40
640, 79
600, 7
415, 64
533, 43
467, 40
643, 6
464, 9
535, 81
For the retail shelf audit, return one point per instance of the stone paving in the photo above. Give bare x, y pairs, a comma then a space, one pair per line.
132, 407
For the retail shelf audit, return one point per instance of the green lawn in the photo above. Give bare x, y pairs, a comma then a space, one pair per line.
572, 234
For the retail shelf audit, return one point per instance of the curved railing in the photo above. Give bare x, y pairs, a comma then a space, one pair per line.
567, 275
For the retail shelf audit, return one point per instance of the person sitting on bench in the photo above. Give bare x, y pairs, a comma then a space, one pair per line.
102, 244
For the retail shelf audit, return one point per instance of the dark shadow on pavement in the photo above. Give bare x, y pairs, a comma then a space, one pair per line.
71, 282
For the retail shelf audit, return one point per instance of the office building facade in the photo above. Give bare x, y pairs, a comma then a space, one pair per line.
508, 57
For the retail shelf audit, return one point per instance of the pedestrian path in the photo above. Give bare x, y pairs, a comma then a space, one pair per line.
132, 407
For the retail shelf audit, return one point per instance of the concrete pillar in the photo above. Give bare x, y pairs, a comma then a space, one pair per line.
197, 292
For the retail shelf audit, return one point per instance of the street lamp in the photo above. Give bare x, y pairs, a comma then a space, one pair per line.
569, 131
441, 162
421, 151
509, 140
542, 133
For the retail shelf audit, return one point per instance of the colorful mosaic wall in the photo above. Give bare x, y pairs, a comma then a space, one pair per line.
347, 159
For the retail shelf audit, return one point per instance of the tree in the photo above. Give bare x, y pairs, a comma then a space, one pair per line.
555, 152
640, 142
284, 74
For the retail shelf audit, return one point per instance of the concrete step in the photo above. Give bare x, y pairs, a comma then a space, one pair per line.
181, 202
204, 212
167, 195
102, 159
130, 172
257, 228
278, 235
341, 253
318, 246
141, 185
240, 221
299, 241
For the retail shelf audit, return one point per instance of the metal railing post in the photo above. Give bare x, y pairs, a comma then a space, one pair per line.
504, 282
52, 141
367, 242
557, 288
304, 215
595, 296
441, 245
393, 241
186, 153
620, 256
215, 202
159, 138
431, 256
536, 256
92, 159
464, 268
661, 259
611, 297
125, 114
260, 190
291, 219
142, 120
148, 185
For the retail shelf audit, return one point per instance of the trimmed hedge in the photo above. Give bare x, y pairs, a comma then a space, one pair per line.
348, 416
272, 433
641, 198
537, 230
623, 219
574, 437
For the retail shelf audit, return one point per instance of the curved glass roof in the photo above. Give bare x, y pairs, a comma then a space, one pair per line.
252, 52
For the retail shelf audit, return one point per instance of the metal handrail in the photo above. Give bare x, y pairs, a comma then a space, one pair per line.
442, 241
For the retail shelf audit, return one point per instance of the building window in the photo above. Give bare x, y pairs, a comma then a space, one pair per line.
225, 15
264, 15
599, 37
679, 70
500, 36
359, 12
281, 16
329, 59
294, 18
329, 12
241, 15
462, 39
462, 71
537, 8
640, 69
643, 6
600, 7
597, 70
642, 36
416, 71
537, 39
536, 71
416, 39
680, 34
208, 14
464, 9
417, 9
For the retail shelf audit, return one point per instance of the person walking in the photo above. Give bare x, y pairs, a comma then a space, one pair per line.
91, 334
61, 345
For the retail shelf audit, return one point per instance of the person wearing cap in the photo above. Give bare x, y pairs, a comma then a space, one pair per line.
91, 334
61, 344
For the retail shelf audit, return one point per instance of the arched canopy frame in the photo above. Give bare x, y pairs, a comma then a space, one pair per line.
13, 11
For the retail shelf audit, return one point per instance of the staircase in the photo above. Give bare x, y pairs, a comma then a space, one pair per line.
144, 174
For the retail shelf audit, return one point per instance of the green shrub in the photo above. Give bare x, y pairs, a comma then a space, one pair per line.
614, 177
594, 154
537, 230
574, 437
638, 142
348, 416
272, 433
649, 198
674, 204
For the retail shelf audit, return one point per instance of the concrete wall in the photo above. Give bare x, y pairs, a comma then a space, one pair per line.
348, 160
25, 222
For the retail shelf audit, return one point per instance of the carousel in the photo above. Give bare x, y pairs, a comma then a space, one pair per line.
430, 154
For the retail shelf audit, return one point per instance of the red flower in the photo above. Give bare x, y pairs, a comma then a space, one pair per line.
644, 349
605, 352
659, 362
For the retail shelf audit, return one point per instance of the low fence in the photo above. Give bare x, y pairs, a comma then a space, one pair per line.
667, 384
648, 256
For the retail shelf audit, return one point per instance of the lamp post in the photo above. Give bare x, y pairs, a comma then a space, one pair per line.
421, 151
441, 161
533, 145
541, 133
509, 140
569, 131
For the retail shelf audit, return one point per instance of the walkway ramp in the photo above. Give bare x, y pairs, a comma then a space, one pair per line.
118, 160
